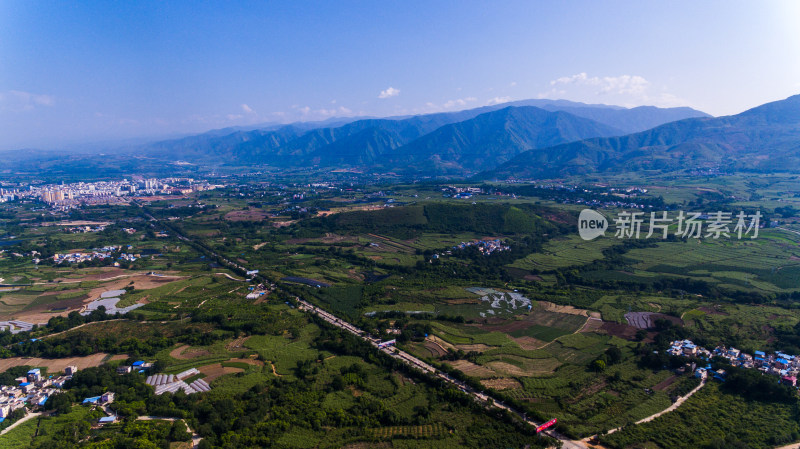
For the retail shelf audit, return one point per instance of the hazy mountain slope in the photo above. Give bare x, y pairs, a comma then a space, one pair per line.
363, 141
491, 139
763, 138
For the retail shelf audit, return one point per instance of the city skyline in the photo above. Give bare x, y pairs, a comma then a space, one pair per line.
97, 71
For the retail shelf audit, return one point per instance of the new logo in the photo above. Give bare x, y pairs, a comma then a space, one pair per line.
591, 224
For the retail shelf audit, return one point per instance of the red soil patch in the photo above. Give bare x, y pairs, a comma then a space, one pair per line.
619, 330
216, 370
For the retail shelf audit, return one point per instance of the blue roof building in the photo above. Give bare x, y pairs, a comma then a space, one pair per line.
92, 400
138, 363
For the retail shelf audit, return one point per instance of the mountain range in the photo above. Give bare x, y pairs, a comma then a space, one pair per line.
532, 139
764, 139
451, 143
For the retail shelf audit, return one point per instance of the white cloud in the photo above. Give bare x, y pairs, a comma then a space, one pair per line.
623, 90
15, 100
512, 84
340, 111
623, 84
390, 92
498, 100
460, 102
247, 109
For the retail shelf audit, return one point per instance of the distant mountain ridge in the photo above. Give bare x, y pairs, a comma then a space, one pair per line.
764, 138
452, 143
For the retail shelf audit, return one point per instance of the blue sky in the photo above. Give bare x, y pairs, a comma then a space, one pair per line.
90, 71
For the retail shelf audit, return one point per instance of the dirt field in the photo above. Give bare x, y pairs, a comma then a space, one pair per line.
472, 369
529, 343
58, 365
186, 353
552, 307
507, 368
479, 347
503, 383
592, 325
253, 362
237, 344
246, 215
117, 281
216, 370
619, 330
463, 301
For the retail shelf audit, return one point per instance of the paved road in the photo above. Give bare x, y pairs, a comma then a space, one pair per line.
20, 421
672, 407
403, 356
410, 360
195, 437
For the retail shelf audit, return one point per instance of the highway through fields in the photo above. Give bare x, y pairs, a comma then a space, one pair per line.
393, 352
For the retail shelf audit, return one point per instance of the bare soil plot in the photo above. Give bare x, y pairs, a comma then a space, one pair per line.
471, 369
625, 331
141, 281
236, 344
58, 365
592, 325
503, 383
477, 347
552, 307
186, 353
253, 362
246, 215
216, 370
507, 368
529, 343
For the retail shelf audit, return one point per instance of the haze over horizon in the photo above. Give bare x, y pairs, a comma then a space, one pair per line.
94, 71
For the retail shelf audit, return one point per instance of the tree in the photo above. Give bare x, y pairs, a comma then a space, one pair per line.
598, 365
179, 431
61, 403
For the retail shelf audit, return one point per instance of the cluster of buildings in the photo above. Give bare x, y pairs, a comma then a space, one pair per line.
104, 192
486, 247
784, 366
7, 195
105, 252
32, 390
170, 383
461, 192
85, 229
